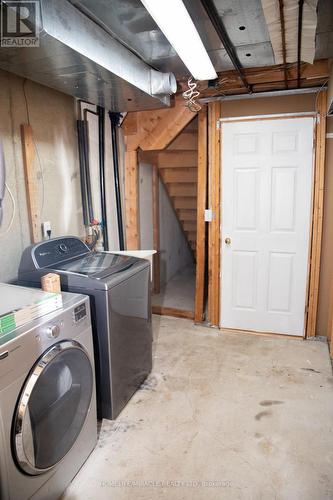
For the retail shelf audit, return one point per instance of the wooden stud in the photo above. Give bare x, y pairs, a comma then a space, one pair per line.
30, 181
201, 225
214, 167
156, 229
132, 200
318, 208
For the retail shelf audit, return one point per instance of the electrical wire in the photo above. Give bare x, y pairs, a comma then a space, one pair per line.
191, 96
13, 213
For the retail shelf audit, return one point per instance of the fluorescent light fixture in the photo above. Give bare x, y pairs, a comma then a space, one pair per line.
177, 25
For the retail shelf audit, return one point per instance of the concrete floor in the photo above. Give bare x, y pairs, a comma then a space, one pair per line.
179, 292
222, 416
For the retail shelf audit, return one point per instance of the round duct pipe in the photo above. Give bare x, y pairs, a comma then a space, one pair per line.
162, 83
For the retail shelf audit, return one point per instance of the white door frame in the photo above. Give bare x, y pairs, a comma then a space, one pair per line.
315, 167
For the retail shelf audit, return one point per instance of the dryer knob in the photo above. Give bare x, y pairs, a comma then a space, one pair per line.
53, 331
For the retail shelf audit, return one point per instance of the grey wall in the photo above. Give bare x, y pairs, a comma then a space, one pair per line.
52, 117
175, 253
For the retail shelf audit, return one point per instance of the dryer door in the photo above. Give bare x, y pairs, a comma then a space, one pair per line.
52, 407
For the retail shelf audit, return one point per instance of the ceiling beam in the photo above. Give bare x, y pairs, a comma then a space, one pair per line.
218, 24
283, 37
299, 40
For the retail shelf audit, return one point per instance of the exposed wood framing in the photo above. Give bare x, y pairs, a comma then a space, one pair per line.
30, 181
214, 168
201, 225
148, 131
318, 208
156, 129
170, 311
156, 229
132, 201
268, 78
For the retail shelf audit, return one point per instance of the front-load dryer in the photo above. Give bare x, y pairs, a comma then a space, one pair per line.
48, 425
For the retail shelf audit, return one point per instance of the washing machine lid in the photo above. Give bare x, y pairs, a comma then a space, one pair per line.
98, 264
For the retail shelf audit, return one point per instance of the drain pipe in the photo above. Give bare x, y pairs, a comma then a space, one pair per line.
101, 144
114, 121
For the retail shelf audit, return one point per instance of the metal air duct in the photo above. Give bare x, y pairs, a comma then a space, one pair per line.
78, 57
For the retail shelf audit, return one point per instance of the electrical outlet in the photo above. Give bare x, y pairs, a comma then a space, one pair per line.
208, 215
46, 226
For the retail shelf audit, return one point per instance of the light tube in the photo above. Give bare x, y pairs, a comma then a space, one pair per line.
175, 22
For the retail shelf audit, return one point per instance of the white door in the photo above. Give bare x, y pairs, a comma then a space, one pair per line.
266, 213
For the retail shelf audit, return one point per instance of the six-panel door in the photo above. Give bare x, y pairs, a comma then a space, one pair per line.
267, 168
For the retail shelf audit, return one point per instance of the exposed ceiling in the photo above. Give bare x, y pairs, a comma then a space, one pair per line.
130, 23
119, 76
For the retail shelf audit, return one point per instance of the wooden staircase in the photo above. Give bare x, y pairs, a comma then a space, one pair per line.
178, 168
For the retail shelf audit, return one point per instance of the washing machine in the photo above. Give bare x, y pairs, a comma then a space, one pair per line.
120, 299
48, 424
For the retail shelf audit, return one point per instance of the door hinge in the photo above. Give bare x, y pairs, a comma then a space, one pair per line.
218, 125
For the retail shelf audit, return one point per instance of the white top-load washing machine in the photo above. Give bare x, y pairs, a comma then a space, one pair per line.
48, 423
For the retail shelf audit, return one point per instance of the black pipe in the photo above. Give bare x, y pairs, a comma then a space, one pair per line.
83, 180
101, 142
85, 135
299, 40
114, 121
217, 22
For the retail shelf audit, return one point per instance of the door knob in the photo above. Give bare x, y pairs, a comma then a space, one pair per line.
227, 241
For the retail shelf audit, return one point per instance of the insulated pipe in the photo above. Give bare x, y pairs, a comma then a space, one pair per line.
101, 143
114, 121
87, 169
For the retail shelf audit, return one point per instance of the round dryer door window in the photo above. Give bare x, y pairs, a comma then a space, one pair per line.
52, 407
